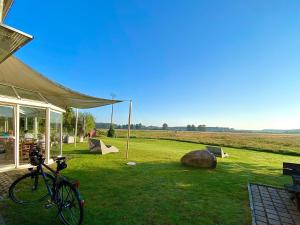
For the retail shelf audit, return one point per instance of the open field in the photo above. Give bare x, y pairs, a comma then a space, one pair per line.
278, 143
159, 191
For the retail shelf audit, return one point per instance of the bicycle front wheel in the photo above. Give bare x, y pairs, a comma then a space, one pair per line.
30, 188
71, 204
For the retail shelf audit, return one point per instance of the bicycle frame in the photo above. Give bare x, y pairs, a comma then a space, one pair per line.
51, 190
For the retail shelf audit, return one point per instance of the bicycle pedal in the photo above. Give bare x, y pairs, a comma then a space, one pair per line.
49, 205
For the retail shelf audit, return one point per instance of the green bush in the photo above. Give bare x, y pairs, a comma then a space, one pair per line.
111, 132
100, 133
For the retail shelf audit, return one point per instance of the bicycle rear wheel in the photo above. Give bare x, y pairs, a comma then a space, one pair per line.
30, 188
70, 204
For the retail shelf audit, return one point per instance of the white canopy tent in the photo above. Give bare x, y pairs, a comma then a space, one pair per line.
30, 101
18, 75
11, 39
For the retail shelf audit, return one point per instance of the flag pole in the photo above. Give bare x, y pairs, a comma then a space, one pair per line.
129, 124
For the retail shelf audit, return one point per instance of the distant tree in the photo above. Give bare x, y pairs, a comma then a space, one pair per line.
111, 132
193, 127
201, 127
165, 126
69, 121
188, 127
138, 126
86, 123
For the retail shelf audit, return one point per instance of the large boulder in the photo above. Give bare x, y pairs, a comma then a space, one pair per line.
200, 158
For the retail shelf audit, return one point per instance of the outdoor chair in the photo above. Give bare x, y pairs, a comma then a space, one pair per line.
217, 151
25, 148
98, 146
293, 170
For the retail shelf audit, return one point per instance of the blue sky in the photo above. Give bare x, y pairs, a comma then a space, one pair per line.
215, 62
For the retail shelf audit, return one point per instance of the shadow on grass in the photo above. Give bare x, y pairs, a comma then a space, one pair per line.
157, 193
80, 152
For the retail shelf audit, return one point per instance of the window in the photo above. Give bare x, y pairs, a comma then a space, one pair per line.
32, 129
7, 90
55, 133
7, 135
29, 94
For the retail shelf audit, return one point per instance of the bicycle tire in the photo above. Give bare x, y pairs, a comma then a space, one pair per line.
70, 203
27, 186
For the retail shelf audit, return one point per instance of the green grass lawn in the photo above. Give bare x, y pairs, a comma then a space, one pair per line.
159, 190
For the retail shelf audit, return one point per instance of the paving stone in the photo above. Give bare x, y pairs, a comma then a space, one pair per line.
271, 211
260, 208
258, 204
286, 215
271, 207
294, 212
273, 216
283, 210
261, 223
261, 218
279, 205
274, 222
259, 213
286, 220
296, 218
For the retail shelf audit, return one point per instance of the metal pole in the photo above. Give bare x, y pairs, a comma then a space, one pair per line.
129, 124
36, 127
61, 133
76, 124
112, 110
17, 135
26, 123
48, 135
112, 114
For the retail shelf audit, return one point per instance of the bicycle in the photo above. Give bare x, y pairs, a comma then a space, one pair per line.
58, 190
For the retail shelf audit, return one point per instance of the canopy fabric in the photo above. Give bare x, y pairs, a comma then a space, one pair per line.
16, 73
11, 40
6, 6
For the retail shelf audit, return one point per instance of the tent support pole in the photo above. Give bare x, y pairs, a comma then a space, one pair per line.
76, 124
129, 124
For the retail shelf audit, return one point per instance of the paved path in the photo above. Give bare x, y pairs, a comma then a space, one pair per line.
6, 178
272, 206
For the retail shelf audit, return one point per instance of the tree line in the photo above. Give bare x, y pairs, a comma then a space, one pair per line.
86, 122
140, 126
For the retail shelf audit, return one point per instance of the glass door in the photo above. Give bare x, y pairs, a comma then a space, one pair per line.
7, 136
32, 130
55, 134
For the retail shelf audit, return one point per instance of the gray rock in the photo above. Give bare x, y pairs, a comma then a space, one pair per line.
200, 158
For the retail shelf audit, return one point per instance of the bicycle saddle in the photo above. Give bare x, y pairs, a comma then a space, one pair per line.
58, 158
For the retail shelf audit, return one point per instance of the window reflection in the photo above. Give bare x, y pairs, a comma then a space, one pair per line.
7, 138
55, 134
32, 130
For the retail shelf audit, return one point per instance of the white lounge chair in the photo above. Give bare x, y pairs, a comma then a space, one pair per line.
98, 146
217, 151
